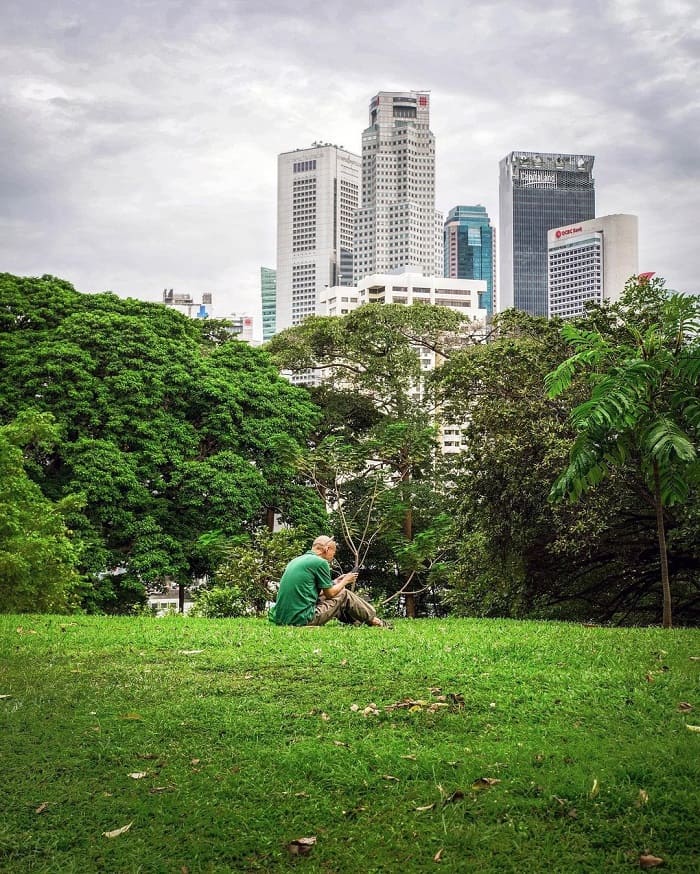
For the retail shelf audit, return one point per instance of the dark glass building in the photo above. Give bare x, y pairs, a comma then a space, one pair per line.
537, 192
470, 249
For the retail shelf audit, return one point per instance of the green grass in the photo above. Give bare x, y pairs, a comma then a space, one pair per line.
253, 743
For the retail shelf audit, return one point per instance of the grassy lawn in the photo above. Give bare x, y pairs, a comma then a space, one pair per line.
528, 746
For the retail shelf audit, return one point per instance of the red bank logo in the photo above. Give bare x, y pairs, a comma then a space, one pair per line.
566, 231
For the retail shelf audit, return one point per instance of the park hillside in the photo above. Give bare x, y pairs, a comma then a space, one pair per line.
206, 746
139, 448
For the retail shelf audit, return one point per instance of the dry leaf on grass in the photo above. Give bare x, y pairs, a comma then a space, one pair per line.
301, 846
458, 795
409, 703
117, 831
138, 775
425, 807
683, 706
389, 777
595, 788
5, 696
353, 813
438, 856
646, 860
410, 758
194, 761
340, 743
485, 783
42, 807
692, 727
642, 798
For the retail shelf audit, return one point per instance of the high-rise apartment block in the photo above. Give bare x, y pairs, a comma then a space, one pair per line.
397, 226
590, 261
318, 192
469, 242
537, 192
268, 296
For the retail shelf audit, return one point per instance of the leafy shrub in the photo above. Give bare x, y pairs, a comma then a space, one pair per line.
221, 603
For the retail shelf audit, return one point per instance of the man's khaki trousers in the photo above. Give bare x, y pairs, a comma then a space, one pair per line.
346, 607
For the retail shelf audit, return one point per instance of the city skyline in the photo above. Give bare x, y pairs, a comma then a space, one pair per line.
140, 143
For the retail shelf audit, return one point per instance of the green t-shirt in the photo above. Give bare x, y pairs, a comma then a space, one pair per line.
300, 586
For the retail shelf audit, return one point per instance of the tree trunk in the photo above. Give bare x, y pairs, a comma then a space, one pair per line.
661, 530
270, 518
181, 597
408, 534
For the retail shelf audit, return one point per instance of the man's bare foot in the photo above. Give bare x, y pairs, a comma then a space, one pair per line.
380, 623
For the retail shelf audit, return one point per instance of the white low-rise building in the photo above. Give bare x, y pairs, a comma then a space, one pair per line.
407, 288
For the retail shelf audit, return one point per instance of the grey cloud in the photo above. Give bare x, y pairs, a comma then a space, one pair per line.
152, 161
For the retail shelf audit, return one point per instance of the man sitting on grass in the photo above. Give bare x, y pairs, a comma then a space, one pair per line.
308, 596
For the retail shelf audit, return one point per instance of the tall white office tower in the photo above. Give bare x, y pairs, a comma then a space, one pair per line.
318, 193
397, 226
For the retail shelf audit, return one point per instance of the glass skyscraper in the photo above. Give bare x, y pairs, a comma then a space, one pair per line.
537, 192
268, 294
469, 249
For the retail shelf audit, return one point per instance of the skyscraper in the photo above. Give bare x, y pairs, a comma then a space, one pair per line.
268, 296
469, 248
537, 192
590, 261
317, 195
396, 223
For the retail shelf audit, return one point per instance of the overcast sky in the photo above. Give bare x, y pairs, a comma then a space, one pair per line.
139, 140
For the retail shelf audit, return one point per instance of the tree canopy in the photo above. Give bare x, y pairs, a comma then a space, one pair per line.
643, 407
37, 554
374, 475
517, 553
166, 429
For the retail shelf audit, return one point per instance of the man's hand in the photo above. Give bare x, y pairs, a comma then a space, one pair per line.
347, 579
339, 584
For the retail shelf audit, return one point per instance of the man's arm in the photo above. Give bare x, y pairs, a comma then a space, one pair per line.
339, 584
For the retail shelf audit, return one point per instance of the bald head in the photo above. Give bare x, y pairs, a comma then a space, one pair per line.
325, 547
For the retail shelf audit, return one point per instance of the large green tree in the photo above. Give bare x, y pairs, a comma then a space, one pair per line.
517, 554
643, 406
371, 473
168, 428
37, 555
